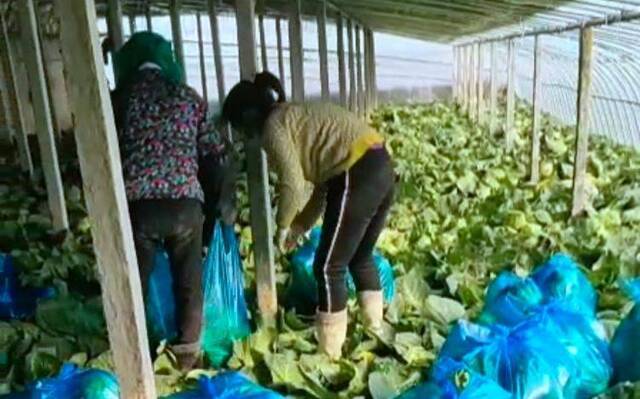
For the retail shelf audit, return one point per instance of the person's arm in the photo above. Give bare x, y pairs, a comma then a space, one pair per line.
310, 214
284, 159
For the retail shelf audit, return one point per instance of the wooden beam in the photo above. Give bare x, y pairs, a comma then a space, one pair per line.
114, 23
175, 8
203, 65
583, 123
296, 54
359, 81
473, 85
217, 51
536, 128
132, 24
322, 51
281, 73
99, 157
258, 179
342, 74
511, 94
6, 131
353, 99
57, 83
148, 17
480, 89
374, 75
24, 152
493, 99
42, 113
263, 44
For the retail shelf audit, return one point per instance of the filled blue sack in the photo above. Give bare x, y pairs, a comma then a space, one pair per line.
160, 303
510, 300
529, 362
585, 340
560, 279
302, 292
465, 337
453, 380
16, 301
625, 345
230, 385
225, 315
72, 383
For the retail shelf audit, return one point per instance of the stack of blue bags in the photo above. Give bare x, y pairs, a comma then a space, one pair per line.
536, 337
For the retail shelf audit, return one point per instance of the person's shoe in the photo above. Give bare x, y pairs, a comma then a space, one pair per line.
372, 309
188, 356
332, 332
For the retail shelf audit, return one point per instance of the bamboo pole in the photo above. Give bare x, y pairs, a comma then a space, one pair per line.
203, 66
217, 51
493, 102
511, 95
114, 24
322, 51
263, 44
480, 89
175, 8
342, 74
359, 80
353, 99
280, 52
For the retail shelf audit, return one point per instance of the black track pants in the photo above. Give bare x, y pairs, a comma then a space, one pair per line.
358, 202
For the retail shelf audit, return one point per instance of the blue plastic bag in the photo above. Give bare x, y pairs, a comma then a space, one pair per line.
230, 385
529, 362
160, 304
586, 343
510, 300
16, 301
465, 337
453, 380
625, 345
72, 383
225, 317
560, 279
302, 292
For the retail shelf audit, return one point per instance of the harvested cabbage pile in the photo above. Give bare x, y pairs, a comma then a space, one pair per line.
464, 212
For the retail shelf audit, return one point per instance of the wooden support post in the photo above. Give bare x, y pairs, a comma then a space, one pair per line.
24, 152
281, 73
456, 75
493, 99
353, 99
132, 24
54, 69
263, 44
148, 16
257, 171
583, 123
42, 113
322, 51
536, 128
511, 94
98, 152
480, 89
203, 65
296, 52
473, 86
114, 24
176, 32
374, 76
359, 82
342, 74
6, 130
367, 70
217, 51
465, 79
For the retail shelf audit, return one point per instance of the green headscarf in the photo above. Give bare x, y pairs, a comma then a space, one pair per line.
145, 47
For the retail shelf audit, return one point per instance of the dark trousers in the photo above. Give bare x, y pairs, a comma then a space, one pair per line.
358, 202
176, 225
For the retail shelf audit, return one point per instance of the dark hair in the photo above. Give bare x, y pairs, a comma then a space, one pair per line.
249, 104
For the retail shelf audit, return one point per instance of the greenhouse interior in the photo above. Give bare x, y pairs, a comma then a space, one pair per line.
508, 258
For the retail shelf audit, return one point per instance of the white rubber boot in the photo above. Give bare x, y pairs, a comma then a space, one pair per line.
332, 332
372, 308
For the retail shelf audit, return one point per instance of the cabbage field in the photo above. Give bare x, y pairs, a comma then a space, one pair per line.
464, 212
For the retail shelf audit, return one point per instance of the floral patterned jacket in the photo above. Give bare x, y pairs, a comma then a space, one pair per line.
163, 132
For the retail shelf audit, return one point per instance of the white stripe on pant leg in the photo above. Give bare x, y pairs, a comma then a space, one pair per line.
343, 207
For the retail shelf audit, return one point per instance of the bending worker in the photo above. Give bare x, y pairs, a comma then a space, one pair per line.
163, 132
353, 179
